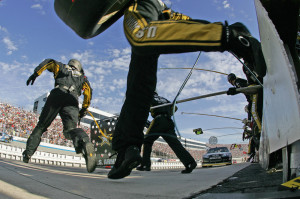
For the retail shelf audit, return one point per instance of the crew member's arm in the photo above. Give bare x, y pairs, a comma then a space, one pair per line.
87, 93
241, 83
49, 64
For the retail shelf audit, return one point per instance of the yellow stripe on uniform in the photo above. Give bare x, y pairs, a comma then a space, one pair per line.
55, 70
150, 126
39, 72
170, 33
87, 95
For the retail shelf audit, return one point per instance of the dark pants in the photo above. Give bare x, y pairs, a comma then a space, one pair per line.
163, 126
148, 39
141, 83
66, 105
141, 80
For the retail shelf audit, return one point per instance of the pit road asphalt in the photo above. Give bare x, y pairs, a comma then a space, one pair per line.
250, 182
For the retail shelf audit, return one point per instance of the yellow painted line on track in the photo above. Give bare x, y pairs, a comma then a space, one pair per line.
294, 183
215, 164
68, 173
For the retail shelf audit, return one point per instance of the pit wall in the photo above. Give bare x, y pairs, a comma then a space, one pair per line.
41, 157
281, 107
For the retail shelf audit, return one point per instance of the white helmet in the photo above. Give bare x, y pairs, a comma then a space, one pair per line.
75, 63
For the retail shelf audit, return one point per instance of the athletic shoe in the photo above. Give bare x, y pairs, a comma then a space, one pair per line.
89, 155
189, 168
26, 157
125, 162
143, 168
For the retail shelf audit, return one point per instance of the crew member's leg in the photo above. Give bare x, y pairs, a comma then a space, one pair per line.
170, 36
81, 141
48, 114
183, 155
128, 135
150, 138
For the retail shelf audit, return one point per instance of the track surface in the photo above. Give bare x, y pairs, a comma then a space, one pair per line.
18, 179
245, 180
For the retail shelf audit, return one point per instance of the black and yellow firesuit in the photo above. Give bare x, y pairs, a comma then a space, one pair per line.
151, 30
63, 100
162, 125
255, 106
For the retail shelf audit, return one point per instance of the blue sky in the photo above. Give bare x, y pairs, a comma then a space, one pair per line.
30, 32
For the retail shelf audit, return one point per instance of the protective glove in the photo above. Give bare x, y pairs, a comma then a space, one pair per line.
82, 113
232, 91
32, 78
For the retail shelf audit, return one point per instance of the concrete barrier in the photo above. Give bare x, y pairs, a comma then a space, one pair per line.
41, 157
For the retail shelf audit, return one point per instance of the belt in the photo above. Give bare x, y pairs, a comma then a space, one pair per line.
69, 89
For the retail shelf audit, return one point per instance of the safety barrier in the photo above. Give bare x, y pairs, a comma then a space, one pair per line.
41, 157
166, 165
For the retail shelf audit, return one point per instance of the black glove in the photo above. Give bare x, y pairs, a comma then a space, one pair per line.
232, 91
32, 78
82, 113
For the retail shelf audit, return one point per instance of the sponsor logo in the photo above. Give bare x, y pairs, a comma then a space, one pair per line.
106, 161
151, 32
104, 139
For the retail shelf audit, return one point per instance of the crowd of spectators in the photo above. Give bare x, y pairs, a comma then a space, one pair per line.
18, 122
163, 150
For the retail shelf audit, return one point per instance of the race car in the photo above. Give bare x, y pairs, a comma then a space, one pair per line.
217, 156
4, 137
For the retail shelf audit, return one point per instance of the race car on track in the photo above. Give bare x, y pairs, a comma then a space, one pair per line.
217, 156
4, 137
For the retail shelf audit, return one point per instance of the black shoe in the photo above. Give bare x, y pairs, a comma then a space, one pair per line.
89, 155
189, 168
26, 157
126, 161
143, 168
244, 45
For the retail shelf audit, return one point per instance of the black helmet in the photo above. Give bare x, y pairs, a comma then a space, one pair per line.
75, 63
231, 77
